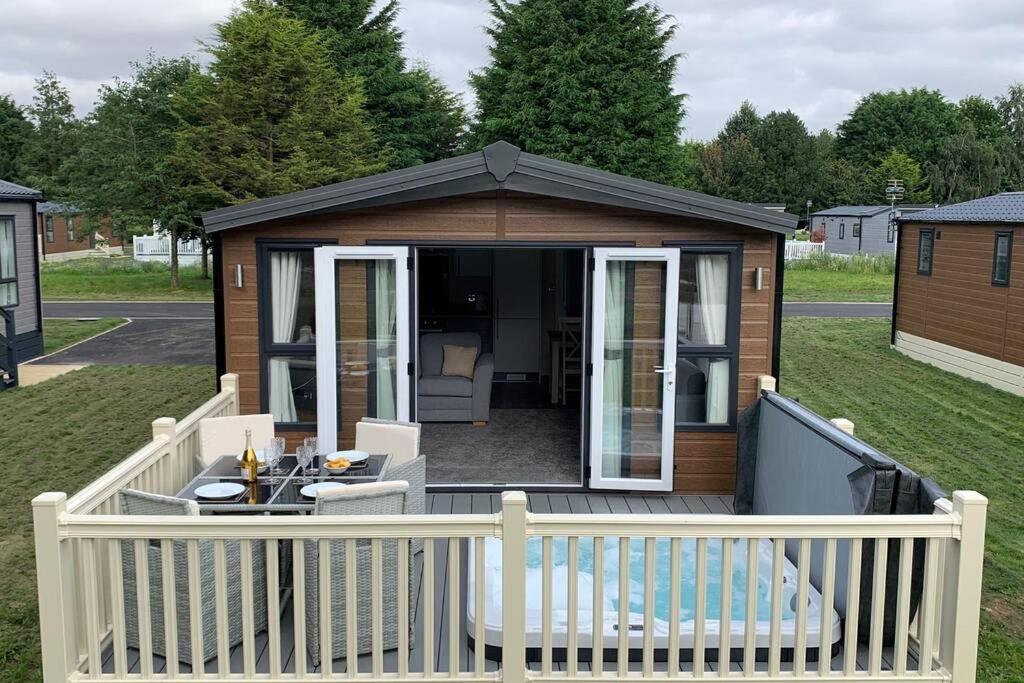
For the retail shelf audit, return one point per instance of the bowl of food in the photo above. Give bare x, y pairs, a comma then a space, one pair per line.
337, 466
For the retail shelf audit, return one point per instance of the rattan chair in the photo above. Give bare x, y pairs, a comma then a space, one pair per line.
378, 498
414, 472
140, 503
400, 440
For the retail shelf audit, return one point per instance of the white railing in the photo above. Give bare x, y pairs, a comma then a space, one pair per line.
242, 584
797, 250
157, 248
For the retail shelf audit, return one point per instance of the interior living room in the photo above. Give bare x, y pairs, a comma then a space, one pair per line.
501, 347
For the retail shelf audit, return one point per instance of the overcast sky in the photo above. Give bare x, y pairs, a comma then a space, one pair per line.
816, 57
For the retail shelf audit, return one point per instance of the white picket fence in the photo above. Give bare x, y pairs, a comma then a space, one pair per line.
797, 250
158, 248
81, 543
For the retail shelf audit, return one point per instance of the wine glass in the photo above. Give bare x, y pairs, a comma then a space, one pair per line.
277, 446
305, 457
313, 445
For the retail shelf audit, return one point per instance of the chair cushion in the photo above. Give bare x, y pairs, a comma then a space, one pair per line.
445, 386
459, 361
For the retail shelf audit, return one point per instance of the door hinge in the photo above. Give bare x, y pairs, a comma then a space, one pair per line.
410, 262
591, 264
411, 368
590, 369
586, 474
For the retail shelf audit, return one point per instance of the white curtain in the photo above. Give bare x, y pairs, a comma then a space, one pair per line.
285, 281
385, 329
713, 297
614, 366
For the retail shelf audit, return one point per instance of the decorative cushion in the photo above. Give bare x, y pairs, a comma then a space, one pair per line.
445, 386
459, 361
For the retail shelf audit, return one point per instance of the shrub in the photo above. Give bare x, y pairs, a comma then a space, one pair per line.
862, 264
110, 266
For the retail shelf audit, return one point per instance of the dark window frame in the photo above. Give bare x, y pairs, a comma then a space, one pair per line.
930, 232
48, 228
69, 226
267, 347
890, 230
856, 229
14, 246
731, 349
1008, 234
842, 230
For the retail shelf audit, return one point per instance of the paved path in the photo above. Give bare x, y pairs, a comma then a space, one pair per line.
136, 310
836, 310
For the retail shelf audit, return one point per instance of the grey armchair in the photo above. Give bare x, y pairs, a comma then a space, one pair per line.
453, 399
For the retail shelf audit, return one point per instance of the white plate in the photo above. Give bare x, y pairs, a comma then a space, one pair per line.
219, 490
310, 490
354, 457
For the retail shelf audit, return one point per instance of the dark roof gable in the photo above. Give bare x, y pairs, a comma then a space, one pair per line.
499, 166
1006, 207
9, 190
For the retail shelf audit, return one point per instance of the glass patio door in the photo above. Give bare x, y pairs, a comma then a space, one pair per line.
632, 398
362, 343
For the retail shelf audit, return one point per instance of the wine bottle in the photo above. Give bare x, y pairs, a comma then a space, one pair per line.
250, 464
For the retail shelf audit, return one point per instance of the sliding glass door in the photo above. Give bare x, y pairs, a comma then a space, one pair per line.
632, 400
362, 343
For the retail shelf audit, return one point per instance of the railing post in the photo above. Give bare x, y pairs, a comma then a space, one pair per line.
843, 424
513, 587
230, 381
54, 585
961, 594
766, 383
167, 427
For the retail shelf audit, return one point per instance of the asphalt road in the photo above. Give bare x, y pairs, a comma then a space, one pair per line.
179, 333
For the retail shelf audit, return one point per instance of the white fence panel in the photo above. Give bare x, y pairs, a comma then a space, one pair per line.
796, 250
156, 248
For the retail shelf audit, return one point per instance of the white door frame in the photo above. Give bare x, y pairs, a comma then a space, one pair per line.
601, 258
324, 259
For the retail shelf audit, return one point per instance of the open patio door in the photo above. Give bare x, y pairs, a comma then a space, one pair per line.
632, 397
362, 344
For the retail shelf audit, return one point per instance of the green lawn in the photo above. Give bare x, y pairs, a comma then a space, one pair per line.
58, 436
963, 434
59, 332
818, 285
121, 279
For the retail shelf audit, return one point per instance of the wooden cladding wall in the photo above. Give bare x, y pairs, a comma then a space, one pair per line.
958, 304
705, 462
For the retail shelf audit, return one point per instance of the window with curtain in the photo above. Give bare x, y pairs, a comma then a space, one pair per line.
925, 250
48, 221
288, 333
8, 264
707, 352
1001, 259
69, 221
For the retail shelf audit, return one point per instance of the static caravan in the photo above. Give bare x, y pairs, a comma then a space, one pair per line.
549, 325
959, 293
21, 315
861, 229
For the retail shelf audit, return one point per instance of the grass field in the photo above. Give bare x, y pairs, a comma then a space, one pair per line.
963, 434
825, 277
102, 279
59, 332
58, 436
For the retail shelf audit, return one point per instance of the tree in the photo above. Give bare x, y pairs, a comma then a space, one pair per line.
1011, 112
981, 115
54, 138
969, 167
913, 122
412, 112
123, 167
15, 131
742, 122
270, 116
897, 166
792, 165
586, 82
733, 169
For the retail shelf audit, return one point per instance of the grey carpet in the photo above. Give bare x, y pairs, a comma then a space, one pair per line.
518, 446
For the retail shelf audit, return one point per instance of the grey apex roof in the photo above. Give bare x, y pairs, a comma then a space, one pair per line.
10, 190
499, 166
853, 211
1007, 207
57, 207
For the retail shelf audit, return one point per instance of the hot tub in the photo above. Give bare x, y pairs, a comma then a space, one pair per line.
585, 578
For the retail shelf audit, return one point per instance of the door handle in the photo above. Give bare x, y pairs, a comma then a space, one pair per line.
663, 370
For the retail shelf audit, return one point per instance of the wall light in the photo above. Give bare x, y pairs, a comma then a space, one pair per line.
759, 278
238, 275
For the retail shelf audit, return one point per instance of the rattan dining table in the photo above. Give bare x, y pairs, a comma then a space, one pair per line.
274, 493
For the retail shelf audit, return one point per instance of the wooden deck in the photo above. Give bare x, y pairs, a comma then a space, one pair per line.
581, 503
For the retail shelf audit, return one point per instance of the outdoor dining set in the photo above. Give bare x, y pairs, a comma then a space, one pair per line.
384, 474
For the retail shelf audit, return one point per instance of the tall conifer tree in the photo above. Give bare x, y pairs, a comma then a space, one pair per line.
587, 82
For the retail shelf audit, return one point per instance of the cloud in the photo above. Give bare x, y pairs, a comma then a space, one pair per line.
816, 57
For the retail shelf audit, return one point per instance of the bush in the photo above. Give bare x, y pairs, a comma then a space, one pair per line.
111, 266
883, 264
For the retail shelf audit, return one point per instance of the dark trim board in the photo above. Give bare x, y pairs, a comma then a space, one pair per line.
780, 283
217, 258
29, 345
896, 283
